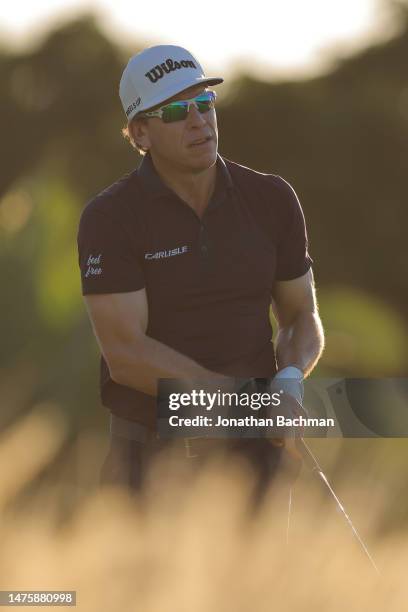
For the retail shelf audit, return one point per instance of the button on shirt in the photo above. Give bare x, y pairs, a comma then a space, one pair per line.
208, 281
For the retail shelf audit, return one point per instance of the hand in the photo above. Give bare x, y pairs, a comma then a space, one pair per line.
290, 379
291, 393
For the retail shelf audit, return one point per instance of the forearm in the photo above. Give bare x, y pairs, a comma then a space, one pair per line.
300, 343
141, 363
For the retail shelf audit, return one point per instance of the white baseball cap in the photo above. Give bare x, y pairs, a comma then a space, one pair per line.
156, 74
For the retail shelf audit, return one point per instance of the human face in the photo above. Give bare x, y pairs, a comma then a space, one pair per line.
190, 144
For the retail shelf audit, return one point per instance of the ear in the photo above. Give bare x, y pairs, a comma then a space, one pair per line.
139, 131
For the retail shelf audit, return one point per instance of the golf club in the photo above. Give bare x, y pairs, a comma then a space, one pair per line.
313, 465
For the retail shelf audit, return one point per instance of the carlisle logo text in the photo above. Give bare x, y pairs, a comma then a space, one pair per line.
156, 73
169, 253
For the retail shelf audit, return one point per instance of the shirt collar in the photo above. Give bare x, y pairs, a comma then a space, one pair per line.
156, 188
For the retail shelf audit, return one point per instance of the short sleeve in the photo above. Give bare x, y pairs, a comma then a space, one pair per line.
108, 259
293, 259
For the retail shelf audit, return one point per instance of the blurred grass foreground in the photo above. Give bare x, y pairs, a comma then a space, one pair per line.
189, 544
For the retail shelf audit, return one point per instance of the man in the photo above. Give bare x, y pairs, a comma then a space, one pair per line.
181, 260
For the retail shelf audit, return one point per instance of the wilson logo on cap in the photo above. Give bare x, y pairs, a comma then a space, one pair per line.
143, 77
156, 73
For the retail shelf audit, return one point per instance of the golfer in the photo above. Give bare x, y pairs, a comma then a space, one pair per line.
181, 260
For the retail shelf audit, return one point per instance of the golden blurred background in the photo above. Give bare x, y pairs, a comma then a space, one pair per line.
337, 129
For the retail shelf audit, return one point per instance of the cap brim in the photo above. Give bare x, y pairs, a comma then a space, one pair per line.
176, 89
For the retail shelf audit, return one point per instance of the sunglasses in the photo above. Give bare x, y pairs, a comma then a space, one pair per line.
178, 110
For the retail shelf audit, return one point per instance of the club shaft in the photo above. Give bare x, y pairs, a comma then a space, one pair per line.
314, 466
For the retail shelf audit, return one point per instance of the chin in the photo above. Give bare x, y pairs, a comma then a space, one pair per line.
203, 159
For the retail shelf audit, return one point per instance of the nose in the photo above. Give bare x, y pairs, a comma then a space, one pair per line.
194, 117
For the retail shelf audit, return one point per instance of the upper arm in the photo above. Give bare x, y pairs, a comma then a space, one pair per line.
293, 259
112, 277
118, 320
110, 255
293, 292
293, 297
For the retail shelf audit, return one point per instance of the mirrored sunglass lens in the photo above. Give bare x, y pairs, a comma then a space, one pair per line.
174, 112
205, 102
204, 105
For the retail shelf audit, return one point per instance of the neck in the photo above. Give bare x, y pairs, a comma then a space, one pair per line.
195, 188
